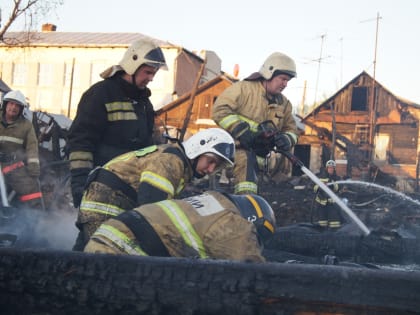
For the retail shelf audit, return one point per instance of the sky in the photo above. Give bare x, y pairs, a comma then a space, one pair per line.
331, 41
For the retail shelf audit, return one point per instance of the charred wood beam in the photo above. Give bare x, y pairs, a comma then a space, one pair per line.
53, 282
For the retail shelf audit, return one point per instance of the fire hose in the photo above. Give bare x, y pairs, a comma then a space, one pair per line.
295, 161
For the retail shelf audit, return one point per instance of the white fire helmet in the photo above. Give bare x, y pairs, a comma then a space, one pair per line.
140, 52
278, 62
213, 140
15, 96
330, 163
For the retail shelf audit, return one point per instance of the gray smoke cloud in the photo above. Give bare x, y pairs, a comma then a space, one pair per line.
52, 229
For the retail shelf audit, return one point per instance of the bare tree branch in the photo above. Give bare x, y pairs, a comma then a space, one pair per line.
30, 11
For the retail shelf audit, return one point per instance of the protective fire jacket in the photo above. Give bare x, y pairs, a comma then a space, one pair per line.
113, 117
247, 101
18, 141
147, 175
322, 198
203, 226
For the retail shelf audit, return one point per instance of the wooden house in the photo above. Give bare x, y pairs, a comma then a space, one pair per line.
365, 128
192, 111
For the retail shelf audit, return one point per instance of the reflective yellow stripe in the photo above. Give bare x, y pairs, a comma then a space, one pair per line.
180, 186
250, 187
228, 121
293, 136
183, 225
321, 201
81, 155
33, 160
122, 157
256, 205
119, 106
122, 116
252, 124
158, 181
98, 207
146, 150
120, 240
11, 139
269, 226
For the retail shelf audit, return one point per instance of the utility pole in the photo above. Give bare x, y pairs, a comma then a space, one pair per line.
319, 67
373, 94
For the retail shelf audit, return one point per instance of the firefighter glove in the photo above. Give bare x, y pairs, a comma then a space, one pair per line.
283, 141
78, 180
244, 135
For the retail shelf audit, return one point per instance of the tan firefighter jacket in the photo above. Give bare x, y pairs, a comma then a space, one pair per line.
203, 226
18, 141
154, 173
247, 101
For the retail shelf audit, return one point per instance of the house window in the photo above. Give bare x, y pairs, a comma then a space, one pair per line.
72, 72
359, 99
45, 74
20, 72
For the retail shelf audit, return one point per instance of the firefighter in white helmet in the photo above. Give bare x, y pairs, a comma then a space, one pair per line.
19, 151
242, 107
115, 115
151, 174
328, 213
211, 225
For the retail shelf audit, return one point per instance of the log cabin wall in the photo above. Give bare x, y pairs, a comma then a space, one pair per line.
175, 113
396, 125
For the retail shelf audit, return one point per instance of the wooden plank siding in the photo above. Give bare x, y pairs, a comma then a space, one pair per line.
396, 122
174, 113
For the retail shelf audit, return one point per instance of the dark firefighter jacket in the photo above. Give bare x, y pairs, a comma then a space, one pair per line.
203, 226
322, 198
113, 117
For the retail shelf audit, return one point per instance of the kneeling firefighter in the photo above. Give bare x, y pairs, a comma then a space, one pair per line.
19, 151
210, 225
149, 175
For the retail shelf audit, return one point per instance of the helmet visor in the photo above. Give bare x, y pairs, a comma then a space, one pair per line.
155, 58
225, 151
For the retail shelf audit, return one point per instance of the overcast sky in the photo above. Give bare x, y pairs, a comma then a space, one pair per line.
246, 32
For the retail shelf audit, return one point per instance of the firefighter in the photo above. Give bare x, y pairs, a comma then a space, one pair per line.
149, 175
19, 151
115, 115
242, 107
329, 215
210, 225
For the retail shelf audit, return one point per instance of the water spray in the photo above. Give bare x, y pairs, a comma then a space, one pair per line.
328, 191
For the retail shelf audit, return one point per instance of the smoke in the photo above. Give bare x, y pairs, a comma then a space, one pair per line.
53, 229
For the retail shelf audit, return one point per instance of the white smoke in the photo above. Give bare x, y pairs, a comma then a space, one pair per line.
53, 229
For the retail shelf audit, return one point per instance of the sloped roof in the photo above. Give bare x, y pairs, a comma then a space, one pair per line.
200, 89
75, 39
327, 101
4, 87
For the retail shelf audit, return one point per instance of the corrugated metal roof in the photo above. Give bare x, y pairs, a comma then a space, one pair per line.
75, 39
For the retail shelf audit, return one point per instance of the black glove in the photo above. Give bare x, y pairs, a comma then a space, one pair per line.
78, 181
283, 141
244, 135
247, 140
77, 194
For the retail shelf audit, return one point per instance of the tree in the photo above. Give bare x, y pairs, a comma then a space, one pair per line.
27, 12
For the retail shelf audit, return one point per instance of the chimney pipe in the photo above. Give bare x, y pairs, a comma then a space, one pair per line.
49, 27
